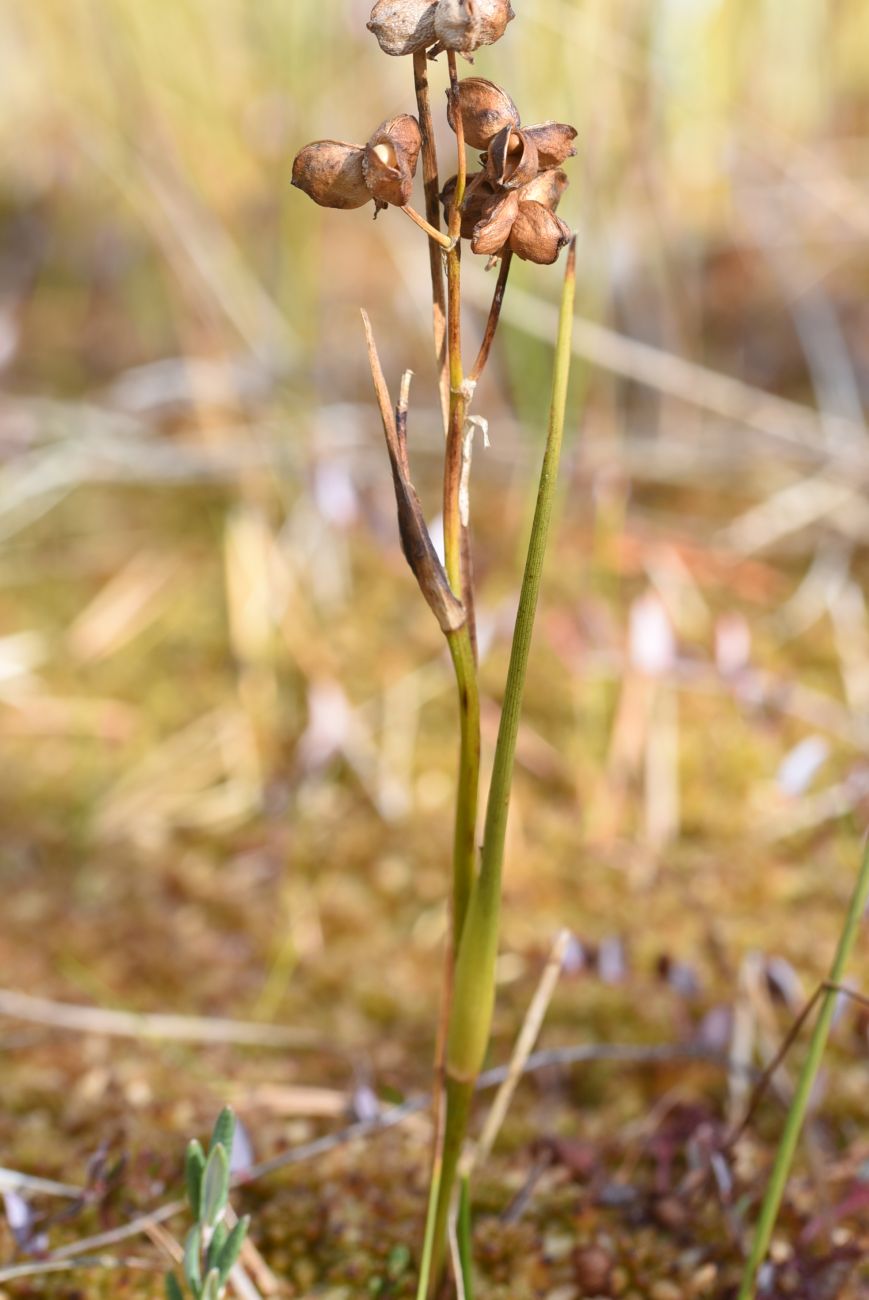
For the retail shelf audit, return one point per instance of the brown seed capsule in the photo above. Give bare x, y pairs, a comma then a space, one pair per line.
403, 26
554, 141
546, 188
538, 235
511, 159
494, 228
330, 172
390, 158
486, 110
465, 25
478, 192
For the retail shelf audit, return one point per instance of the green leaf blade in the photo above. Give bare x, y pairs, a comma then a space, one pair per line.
194, 1168
212, 1288
173, 1288
224, 1130
232, 1248
192, 1264
215, 1186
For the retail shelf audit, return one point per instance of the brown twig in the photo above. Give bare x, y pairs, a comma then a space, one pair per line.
456, 544
763, 1082
416, 542
493, 320
436, 236
431, 183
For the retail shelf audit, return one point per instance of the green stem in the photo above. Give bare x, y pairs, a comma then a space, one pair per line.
459, 1095
474, 992
464, 1236
474, 989
448, 1145
464, 842
800, 1103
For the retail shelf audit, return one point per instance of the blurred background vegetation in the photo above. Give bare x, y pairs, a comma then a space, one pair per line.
226, 719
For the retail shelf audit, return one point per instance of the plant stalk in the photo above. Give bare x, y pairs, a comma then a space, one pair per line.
456, 546
464, 843
462, 650
799, 1105
436, 237
494, 317
474, 986
431, 184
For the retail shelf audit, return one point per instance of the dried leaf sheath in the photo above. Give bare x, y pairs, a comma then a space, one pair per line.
416, 543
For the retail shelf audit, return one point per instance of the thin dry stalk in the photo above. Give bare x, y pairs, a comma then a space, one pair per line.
431, 183
528, 1035
169, 1028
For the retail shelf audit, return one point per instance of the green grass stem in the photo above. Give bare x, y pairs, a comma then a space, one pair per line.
474, 992
465, 836
474, 989
800, 1103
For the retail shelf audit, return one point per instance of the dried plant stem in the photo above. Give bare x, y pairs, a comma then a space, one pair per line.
474, 988
431, 183
494, 318
463, 652
456, 549
437, 236
762, 1086
457, 561
800, 1103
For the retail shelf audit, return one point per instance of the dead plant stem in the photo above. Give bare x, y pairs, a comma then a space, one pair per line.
431, 183
494, 318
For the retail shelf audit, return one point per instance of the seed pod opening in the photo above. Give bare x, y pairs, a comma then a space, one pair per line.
546, 188
330, 172
554, 141
389, 161
512, 158
492, 231
478, 193
403, 26
486, 109
465, 25
538, 235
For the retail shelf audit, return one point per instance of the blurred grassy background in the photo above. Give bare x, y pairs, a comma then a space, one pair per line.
225, 716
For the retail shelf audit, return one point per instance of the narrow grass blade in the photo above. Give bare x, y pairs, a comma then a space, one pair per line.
800, 1104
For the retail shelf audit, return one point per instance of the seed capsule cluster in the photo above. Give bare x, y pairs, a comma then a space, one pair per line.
406, 26
510, 203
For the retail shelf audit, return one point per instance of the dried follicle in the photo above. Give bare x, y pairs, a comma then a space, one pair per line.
524, 221
478, 193
330, 172
465, 25
389, 161
403, 26
537, 234
486, 109
338, 175
554, 142
546, 188
493, 230
512, 159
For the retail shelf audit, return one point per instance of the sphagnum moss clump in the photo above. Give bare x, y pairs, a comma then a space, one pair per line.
505, 208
